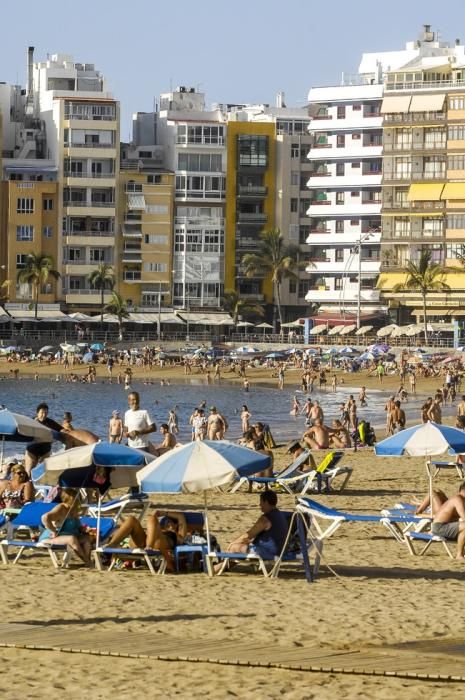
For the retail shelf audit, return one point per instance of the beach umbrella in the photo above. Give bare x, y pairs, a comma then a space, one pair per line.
378, 348
348, 329
320, 328
363, 330
275, 355
87, 358
332, 351
15, 427
424, 440
98, 347
244, 324
348, 350
47, 348
10, 348
335, 330
386, 330
244, 349
75, 468
69, 347
366, 356
199, 467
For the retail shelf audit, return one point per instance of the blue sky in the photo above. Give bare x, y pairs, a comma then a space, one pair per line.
242, 51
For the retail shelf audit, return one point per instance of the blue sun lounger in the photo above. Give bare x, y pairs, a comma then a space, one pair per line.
426, 539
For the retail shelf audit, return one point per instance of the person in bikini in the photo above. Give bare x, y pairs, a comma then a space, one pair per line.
216, 425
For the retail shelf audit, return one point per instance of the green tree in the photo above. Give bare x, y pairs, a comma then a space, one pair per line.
424, 276
233, 304
275, 260
102, 278
118, 307
37, 272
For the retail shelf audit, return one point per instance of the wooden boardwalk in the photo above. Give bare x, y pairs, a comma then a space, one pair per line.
426, 659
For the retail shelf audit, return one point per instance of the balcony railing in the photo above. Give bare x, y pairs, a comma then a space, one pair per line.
80, 203
85, 292
133, 187
90, 117
252, 190
429, 146
420, 85
252, 217
91, 176
200, 141
320, 230
67, 144
201, 194
414, 117
132, 275
90, 234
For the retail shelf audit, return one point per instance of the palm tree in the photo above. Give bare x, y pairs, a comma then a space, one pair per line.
118, 307
424, 276
37, 271
102, 278
233, 304
274, 259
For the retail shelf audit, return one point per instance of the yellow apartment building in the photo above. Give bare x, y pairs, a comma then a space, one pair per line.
250, 202
145, 243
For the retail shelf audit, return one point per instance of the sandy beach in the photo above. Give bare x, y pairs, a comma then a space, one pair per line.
380, 595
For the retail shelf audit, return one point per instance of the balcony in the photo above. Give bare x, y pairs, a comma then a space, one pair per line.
429, 146
130, 232
326, 294
252, 297
132, 256
91, 176
252, 191
200, 194
252, 218
247, 243
348, 266
132, 275
414, 117
88, 145
201, 141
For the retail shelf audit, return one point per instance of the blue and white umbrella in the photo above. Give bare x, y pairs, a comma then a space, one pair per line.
246, 349
348, 350
424, 440
98, 347
199, 467
275, 356
15, 427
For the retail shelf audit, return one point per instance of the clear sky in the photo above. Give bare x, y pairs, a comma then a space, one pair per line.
242, 51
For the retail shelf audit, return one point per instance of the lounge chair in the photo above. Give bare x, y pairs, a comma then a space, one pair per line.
294, 481
459, 468
427, 539
29, 521
117, 507
295, 549
153, 558
336, 518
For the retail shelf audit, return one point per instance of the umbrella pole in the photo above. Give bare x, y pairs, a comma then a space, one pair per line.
430, 486
207, 527
99, 515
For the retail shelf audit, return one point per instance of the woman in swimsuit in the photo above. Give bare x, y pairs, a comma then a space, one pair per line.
64, 527
18, 490
165, 538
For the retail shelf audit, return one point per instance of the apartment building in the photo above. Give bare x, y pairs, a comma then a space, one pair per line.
145, 234
250, 196
344, 189
194, 142
424, 175
81, 123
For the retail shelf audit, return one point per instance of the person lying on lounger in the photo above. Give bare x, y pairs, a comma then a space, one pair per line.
267, 536
449, 521
164, 538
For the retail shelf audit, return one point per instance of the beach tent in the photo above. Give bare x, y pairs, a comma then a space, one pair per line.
199, 467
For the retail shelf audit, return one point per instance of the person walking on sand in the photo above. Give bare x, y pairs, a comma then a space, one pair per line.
115, 427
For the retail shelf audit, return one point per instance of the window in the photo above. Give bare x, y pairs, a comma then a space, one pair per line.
295, 150
21, 260
294, 205
403, 138
338, 283
200, 162
47, 232
356, 164
356, 108
156, 208
403, 167
355, 137
304, 286
339, 255
456, 162
457, 102
155, 267
154, 179
339, 197
402, 228
75, 254
292, 286
453, 251
304, 205
145, 154
25, 233
432, 227
355, 194
434, 167
252, 151
340, 141
339, 225
340, 168
341, 112
354, 222
435, 138
97, 255
154, 238
47, 204
456, 221
457, 132
304, 232
295, 177
25, 205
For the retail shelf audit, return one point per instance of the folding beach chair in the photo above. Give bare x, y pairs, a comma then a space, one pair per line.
117, 507
286, 473
296, 548
413, 522
427, 539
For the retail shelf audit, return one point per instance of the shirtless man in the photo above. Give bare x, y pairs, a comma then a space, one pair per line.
461, 407
435, 413
316, 413
115, 427
169, 441
449, 521
339, 436
398, 417
317, 437
389, 408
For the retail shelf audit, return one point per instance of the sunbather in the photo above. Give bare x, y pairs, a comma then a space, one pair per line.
267, 536
164, 538
64, 527
449, 521
439, 498
17, 490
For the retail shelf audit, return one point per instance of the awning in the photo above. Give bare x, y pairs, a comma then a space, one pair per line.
395, 103
136, 201
292, 324
204, 319
430, 192
438, 311
454, 190
29, 314
427, 103
153, 318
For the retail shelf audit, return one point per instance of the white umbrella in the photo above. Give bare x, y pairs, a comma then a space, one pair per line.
363, 330
348, 329
401, 330
264, 325
292, 324
386, 330
244, 324
335, 330
316, 330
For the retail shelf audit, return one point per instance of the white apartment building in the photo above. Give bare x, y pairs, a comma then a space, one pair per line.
194, 140
345, 195
81, 121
